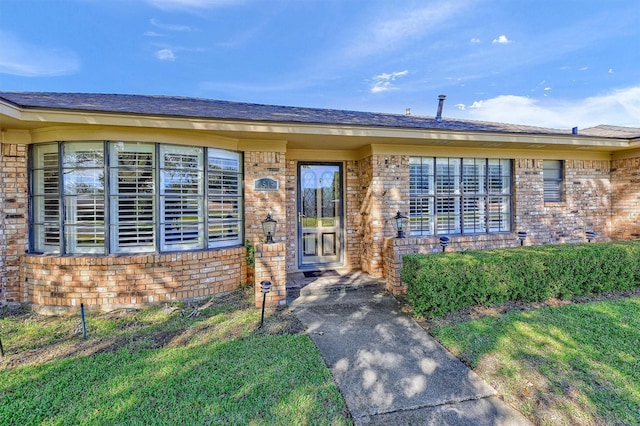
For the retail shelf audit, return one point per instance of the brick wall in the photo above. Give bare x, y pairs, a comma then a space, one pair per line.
384, 189
13, 219
260, 202
352, 217
625, 194
59, 283
291, 263
601, 196
586, 205
395, 248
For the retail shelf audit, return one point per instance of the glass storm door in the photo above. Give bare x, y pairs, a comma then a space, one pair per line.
319, 214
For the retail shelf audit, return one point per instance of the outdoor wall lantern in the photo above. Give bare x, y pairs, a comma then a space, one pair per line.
265, 287
269, 228
590, 235
444, 242
522, 235
400, 224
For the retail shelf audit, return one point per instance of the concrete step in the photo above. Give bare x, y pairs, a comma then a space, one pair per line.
328, 288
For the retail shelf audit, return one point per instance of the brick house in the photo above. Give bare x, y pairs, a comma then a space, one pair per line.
119, 200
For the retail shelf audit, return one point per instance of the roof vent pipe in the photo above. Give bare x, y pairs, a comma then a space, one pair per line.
441, 99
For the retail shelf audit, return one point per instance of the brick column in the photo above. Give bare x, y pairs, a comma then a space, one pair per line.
259, 202
385, 191
271, 266
13, 220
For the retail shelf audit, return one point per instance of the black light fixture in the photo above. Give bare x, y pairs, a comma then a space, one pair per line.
522, 235
400, 224
269, 228
265, 287
590, 235
444, 242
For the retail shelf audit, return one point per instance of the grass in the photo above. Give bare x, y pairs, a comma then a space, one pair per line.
572, 364
168, 365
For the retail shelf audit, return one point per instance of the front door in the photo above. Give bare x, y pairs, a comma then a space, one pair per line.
319, 214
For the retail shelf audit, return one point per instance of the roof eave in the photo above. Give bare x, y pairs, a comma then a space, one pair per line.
39, 117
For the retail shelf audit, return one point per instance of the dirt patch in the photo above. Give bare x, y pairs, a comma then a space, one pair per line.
282, 321
134, 334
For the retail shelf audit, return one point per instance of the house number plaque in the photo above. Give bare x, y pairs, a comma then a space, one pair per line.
266, 184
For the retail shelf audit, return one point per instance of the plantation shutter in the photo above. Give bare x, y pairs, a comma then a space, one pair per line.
447, 202
84, 202
46, 199
224, 198
132, 197
553, 179
181, 197
473, 190
499, 195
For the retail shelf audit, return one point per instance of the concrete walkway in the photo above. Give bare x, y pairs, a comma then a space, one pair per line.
389, 370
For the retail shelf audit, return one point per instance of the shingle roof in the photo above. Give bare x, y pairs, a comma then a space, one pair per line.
175, 106
612, 132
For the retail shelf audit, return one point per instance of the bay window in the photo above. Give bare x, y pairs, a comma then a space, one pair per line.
459, 196
133, 197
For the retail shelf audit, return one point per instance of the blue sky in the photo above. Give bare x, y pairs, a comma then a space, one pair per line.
553, 63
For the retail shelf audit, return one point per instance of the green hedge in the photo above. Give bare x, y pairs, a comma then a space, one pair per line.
446, 282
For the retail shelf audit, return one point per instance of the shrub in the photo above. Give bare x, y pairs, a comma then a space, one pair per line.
446, 282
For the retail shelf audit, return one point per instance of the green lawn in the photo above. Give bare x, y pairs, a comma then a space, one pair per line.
573, 364
165, 365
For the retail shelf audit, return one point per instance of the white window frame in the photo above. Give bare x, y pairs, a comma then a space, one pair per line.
177, 222
43, 226
446, 200
123, 232
224, 231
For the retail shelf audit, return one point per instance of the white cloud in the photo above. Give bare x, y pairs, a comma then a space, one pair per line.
190, 4
21, 58
501, 40
170, 27
390, 31
620, 107
384, 81
584, 68
475, 40
610, 71
165, 55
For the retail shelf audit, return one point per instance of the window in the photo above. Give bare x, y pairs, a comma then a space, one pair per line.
224, 191
131, 197
83, 197
45, 199
553, 180
459, 196
181, 197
